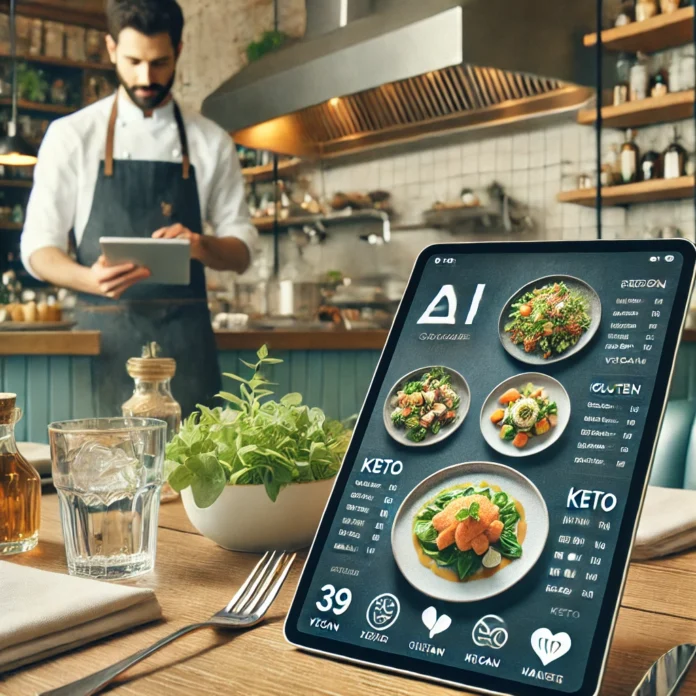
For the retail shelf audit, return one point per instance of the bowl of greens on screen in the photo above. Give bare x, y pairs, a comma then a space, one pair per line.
470, 531
426, 406
255, 474
549, 319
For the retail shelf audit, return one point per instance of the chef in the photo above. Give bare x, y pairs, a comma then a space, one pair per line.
137, 165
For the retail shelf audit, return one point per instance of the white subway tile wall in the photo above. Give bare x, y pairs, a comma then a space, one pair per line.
533, 167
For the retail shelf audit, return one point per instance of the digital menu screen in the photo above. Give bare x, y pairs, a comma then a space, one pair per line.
483, 515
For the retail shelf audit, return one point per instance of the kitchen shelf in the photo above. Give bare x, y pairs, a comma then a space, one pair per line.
61, 62
654, 34
16, 183
36, 106
631, 194
671, 107
265, 224
447, 218
264, 172
11, 226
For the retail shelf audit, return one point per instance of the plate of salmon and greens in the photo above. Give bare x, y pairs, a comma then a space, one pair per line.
470, 531
426, 406
525, 414
549, 319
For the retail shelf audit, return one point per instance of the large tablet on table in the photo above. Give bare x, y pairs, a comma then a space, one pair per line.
480, 528
169, 260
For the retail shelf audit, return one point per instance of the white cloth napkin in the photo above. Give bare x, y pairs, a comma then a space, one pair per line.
667, 524
43, 614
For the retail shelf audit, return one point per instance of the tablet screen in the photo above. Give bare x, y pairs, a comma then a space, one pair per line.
479, 529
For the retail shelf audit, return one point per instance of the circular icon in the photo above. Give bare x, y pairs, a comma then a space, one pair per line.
437, 260
490, 632
653, 259
383, 611
669, 258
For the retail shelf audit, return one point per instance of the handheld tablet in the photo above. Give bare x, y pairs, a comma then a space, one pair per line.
479, 531
169, 260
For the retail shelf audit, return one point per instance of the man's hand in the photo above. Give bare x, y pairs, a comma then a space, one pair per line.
113, 281
178, 231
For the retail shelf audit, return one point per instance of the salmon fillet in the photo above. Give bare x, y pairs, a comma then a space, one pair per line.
469, 529
446, 538
494, 531
480, 544
487, 512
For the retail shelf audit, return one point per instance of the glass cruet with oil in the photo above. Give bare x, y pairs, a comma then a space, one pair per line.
20, 487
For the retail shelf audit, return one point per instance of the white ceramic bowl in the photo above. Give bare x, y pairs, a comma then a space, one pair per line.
244, 518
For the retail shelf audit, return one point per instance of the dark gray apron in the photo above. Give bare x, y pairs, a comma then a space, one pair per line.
134, 199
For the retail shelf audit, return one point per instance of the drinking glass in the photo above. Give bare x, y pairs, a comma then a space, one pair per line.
108, 474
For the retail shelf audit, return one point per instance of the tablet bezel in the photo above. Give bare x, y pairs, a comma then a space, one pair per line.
601, 641
161, 271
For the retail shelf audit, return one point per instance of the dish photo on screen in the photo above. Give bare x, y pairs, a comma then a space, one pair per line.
549, 319
426, 406
525, 414
470, 531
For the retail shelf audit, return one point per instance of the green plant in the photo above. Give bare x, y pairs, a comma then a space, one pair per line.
31, 84
269, 41
273, 443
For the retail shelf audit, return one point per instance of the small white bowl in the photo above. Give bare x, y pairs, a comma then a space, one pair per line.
244, 518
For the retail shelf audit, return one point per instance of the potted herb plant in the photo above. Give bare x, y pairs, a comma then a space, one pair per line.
255, 475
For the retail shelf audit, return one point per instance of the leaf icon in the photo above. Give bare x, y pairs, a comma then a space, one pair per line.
429, 617
442, 624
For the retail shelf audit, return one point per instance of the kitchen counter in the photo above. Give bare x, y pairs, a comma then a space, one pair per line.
50, 343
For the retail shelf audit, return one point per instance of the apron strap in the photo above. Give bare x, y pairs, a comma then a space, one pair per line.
110, 137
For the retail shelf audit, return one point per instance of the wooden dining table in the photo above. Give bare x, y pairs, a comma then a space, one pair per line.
194, 578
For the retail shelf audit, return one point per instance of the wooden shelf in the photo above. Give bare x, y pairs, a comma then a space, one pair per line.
631, 194
62, 62
654, 34
36, 106
11, 226
16, 183
672, 107
264, 172
266, 224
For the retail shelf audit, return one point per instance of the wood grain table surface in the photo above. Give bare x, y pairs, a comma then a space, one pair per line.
195, 578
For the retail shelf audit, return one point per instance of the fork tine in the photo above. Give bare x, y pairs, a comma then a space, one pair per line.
249, 580
271, 594
252, 597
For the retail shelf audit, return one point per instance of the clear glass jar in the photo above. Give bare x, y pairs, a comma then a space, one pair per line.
152, 398
20, 487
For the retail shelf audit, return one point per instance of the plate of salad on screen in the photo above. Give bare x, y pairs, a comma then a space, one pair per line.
426, 406
549, 319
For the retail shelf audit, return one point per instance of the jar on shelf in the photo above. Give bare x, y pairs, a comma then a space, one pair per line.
640, 79
152, 396
54, 39
75, 43
645, 9
669, 6
93, 48
36, 37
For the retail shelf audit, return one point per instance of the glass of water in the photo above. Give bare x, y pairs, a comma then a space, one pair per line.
108, 474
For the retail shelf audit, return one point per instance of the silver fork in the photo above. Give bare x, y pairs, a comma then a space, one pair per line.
245, 609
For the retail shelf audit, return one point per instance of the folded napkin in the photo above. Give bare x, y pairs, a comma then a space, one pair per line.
37, 454
43, 614
668, 523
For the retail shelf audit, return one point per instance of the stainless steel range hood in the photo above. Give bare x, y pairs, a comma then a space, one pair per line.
370, 73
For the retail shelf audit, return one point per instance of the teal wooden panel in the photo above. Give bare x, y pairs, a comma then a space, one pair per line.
37, 398
83, 403
59, 389
683, 368
330, 398
280, 374
347, 394
16, 382
298, 373
366, 363
313, 391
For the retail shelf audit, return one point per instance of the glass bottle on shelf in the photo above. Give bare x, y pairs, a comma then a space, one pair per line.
610, 168
20, 487
630, 156
645, 9
623, 79
640, 78
650, 166
152, 397
669, 6
659, 82
674, 158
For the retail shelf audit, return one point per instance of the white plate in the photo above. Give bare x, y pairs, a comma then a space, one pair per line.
536, 443
594, 309
514, 484
459, 384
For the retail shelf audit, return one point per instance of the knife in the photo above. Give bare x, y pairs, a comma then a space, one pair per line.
665, 676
